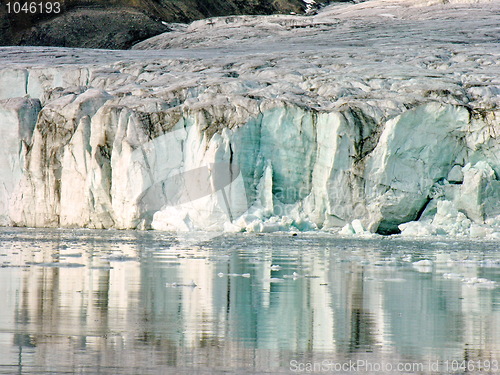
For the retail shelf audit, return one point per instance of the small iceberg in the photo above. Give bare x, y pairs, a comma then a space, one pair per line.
480, 282
222, 274
424, 265
179, 285
293, 276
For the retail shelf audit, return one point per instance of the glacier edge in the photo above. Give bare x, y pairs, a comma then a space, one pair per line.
109, 167
262, 137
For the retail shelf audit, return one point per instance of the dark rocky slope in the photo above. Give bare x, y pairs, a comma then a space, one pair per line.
118, 24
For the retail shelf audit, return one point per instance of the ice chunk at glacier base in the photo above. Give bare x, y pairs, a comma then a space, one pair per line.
356, 227
416, 229
468, 209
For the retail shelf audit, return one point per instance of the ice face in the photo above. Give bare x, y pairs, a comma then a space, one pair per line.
365, 116
17, 119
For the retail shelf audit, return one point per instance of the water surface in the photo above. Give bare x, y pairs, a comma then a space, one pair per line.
130, 302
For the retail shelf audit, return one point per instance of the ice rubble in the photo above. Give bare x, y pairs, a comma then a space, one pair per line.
470, 207
348, 119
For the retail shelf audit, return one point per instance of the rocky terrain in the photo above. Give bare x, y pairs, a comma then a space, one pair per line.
365, 116
118, 24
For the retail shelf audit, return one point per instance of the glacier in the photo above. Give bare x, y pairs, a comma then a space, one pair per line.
377, 117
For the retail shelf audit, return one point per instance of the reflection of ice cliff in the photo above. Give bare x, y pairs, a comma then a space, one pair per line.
134, 294
377, 111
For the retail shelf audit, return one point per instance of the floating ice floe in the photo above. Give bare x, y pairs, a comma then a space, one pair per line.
293, 276
424, 265
192, 284
453, 276
407, 258
222, 274
480, 282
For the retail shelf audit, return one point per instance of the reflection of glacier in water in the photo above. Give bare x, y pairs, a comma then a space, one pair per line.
123, 301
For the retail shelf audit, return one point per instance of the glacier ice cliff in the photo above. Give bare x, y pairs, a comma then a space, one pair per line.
365, 116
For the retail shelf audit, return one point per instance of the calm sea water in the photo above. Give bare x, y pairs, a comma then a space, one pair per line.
130, 302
